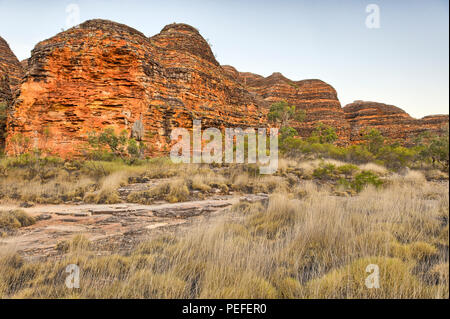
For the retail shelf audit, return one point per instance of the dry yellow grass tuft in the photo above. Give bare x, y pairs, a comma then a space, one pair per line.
305, 242
318, 246
13, 219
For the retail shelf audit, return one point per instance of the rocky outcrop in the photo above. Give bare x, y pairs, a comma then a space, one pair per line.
10, 77
198, 87
246, 78
318, 99
104, 74
10, 65
184, 38
391, 121
5, 104
24, 64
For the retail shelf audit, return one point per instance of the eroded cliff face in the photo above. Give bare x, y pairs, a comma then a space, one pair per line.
246, 78
10, 77
5, 104
104, 74
198, 87
5, 90
391, 121
318, 99
10, 64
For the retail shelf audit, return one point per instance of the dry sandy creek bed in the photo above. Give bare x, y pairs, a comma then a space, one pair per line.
116, 227
110, 227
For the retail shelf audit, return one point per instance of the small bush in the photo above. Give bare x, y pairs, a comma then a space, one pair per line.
325, 171
365, 178
347, 169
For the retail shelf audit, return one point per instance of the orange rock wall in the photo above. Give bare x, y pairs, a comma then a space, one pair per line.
10, 77
318, 99
104, 74
391, 121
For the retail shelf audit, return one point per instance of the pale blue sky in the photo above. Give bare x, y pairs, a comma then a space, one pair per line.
405, 62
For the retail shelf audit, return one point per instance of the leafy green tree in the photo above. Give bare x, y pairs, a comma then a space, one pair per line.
324, 134
282, 113
358, 154
135, 149
287, 132
374, 140
396, 157
438, 150
422, 138
118, 145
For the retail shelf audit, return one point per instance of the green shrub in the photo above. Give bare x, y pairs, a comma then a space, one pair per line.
347, 169
325, 171
324, 134
107, 145
359, 154
396, 157
374, 140
365, 178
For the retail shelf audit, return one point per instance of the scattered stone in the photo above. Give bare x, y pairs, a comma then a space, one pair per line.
69, 220
63, 213
254, 198
82, 214
122, 225
43, 217
26, 204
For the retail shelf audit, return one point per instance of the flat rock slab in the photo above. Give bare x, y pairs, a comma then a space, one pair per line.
119, 225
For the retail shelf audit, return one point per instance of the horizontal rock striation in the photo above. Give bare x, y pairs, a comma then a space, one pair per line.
10, 64
10, 77
391, 121
318, 99
104, 74
246, 78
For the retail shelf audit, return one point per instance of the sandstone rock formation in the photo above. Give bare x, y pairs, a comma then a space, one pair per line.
24, 64
10, 77
243, 77
5, 103
103, 74
10, 64
391, 121
318, 99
